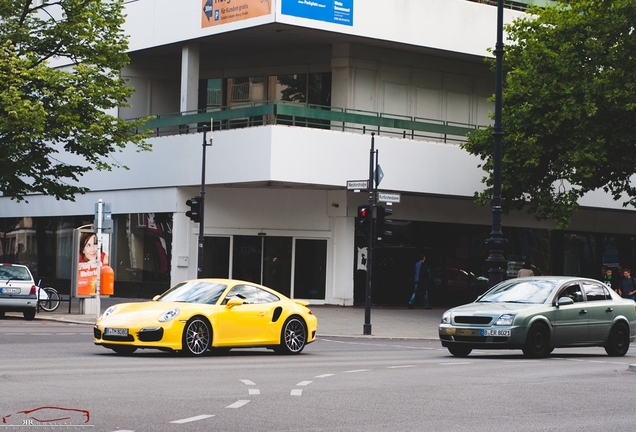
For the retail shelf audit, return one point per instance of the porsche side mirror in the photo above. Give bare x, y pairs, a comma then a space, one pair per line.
234, 301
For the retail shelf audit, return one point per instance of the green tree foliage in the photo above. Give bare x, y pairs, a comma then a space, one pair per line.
569, 105
56, 122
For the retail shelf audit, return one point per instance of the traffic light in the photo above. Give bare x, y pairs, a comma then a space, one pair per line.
362, 225
381, 231
195, 209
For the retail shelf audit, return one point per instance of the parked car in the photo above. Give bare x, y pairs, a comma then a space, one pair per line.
538, 314
18, 292
199, 315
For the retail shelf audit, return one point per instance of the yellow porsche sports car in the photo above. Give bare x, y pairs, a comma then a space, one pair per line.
205, 314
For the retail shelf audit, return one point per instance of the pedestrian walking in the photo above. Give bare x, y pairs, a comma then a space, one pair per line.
421, 279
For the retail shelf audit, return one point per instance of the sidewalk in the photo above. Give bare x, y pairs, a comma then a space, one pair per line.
388, 323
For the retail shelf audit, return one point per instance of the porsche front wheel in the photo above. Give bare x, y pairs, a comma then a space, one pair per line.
293, 337
123, 349
197, 336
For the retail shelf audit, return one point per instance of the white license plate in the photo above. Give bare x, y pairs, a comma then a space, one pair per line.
496, 332
116, 332
10, 290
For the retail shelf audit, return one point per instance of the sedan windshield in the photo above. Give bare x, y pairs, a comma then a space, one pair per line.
520, 291
194, 292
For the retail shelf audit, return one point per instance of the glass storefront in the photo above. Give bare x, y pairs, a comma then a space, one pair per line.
140, 250
268, 260
456, 256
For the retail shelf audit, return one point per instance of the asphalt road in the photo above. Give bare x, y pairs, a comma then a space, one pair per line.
337, 384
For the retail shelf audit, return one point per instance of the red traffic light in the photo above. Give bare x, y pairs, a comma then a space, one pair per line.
363, 212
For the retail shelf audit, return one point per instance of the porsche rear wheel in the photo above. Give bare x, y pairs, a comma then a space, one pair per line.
197, 336
293, 337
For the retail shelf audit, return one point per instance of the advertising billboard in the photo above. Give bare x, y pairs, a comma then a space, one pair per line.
217, 12
332, 11
87, 261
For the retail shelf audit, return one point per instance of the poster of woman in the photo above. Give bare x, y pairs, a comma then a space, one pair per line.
88, 264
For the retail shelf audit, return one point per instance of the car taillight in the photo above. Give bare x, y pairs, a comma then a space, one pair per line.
32, 292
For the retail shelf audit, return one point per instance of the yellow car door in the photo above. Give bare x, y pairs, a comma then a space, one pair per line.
244, 318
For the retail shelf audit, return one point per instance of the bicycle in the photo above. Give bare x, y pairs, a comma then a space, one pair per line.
48, 299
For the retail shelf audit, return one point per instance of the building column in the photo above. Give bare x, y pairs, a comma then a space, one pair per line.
189, 77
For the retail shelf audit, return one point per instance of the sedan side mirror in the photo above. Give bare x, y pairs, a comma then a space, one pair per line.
564, 301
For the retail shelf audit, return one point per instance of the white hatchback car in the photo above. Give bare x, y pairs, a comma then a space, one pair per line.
18, 292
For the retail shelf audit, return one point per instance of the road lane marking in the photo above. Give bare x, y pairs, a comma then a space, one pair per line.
238, 404
192, 419
399, 367
323, 375
254, 391
455, 363
296, 392
356, 370
304, 383
247, 382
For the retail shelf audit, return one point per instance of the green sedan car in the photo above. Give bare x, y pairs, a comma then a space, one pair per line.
538, 314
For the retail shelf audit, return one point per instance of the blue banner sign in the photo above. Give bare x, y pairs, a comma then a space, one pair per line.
332, 11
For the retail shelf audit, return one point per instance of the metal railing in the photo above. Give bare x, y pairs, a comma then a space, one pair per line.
521, 5
309, 116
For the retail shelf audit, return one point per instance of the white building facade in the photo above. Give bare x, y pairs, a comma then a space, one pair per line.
294, 90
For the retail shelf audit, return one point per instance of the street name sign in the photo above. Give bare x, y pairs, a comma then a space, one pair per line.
357, 184
388, 197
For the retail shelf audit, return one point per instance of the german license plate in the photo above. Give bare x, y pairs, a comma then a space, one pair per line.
496, 332
123, 332
10, 290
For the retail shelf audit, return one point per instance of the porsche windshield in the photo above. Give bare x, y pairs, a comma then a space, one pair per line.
520, 291
194, 292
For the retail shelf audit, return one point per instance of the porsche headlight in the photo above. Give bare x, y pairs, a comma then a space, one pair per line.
168, 315
447, 318
108, 311
505, 319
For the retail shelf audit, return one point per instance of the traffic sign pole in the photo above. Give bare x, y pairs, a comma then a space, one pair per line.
366, 329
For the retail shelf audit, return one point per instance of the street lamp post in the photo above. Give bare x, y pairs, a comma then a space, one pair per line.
496, 242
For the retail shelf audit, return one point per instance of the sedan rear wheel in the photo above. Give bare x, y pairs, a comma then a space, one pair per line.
29, 314
197, 336
293, 336
537, 342
618, 341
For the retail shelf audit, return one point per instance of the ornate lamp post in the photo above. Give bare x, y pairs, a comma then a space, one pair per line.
496, 242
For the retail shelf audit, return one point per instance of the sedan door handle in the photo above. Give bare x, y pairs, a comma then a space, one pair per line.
583, 312
609, 309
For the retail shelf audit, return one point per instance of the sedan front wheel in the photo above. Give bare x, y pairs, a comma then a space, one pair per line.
537, 342
459, 352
